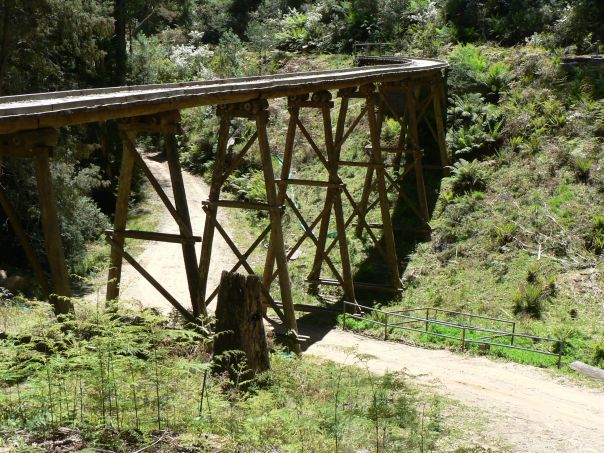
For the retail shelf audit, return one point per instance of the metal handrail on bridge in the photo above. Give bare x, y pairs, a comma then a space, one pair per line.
463, 328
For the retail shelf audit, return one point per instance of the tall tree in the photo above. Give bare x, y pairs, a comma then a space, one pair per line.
119, 54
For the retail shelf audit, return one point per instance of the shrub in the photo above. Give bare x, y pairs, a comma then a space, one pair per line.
505, 233
582, 168
510, 22
467, 66
467, 177
475, 127
497, 77
595, 240
529, 301
248, 186
598, 356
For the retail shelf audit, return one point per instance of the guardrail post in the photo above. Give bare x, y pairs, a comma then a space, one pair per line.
386, 327
513, 332
560, 352
463, 338
427, 317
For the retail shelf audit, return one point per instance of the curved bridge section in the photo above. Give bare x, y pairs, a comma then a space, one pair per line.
410, 91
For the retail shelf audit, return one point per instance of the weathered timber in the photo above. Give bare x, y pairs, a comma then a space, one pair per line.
119, 250
155, 109
182, 208
388, 232
154, 236
587, 370
212, 209
52, 235
36, 111
240, 327
294, 113
120, 219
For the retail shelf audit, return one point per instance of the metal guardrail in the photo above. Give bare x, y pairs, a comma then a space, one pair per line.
402, 319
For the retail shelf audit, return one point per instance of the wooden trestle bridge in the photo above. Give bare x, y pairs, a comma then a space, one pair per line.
403, 89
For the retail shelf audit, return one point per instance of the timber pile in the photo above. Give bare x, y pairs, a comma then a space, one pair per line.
239, 324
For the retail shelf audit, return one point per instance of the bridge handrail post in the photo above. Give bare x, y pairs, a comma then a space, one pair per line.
427, 317
560, 352
386, 326
463, 338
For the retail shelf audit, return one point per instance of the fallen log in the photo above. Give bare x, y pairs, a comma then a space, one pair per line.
587, 370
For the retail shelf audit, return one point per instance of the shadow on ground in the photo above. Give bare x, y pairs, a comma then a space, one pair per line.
409, 231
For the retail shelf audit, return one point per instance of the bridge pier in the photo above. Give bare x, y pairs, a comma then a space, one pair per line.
165, 124
38, 145
408, 90
256, 112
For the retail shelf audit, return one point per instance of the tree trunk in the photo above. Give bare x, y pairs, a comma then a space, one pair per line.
120, 55
7, 13
240, 328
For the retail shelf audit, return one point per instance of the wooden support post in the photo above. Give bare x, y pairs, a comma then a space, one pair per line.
294, 114
276, 228
333, 156
437, 89
24, 241
147, 276
417, 154
333, 198
120, 218
180, 201
213, 197
52, 234
368, 185
388, 232
239, 327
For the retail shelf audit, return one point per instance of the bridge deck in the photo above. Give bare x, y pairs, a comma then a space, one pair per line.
52, 110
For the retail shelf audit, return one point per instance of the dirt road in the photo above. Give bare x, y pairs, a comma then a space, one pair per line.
526, 409
164, 261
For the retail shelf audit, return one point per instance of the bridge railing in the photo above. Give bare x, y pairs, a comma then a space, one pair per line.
467, 333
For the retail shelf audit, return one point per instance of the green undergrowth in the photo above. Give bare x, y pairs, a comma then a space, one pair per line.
129, 379
448, 337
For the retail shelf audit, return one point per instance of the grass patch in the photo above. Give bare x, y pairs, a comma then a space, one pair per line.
118, 382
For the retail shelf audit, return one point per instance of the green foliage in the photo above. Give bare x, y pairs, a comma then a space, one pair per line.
598, 356
497, 77
230, 57
475, 127
120, 380
467, 177
530, 298
80, 219
248, 186
52, 44
595, 240
505, 233
298, 30
471, 71
509, 22
582, 25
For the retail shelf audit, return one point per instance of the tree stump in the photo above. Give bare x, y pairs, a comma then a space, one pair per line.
240, 347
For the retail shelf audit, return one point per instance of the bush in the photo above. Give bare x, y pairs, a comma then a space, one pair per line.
248, 186
509, 22
598, 356
467, 177
529, 301
595, 240
475, 128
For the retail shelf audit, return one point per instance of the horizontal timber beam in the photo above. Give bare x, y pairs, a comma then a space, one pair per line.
53, 110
